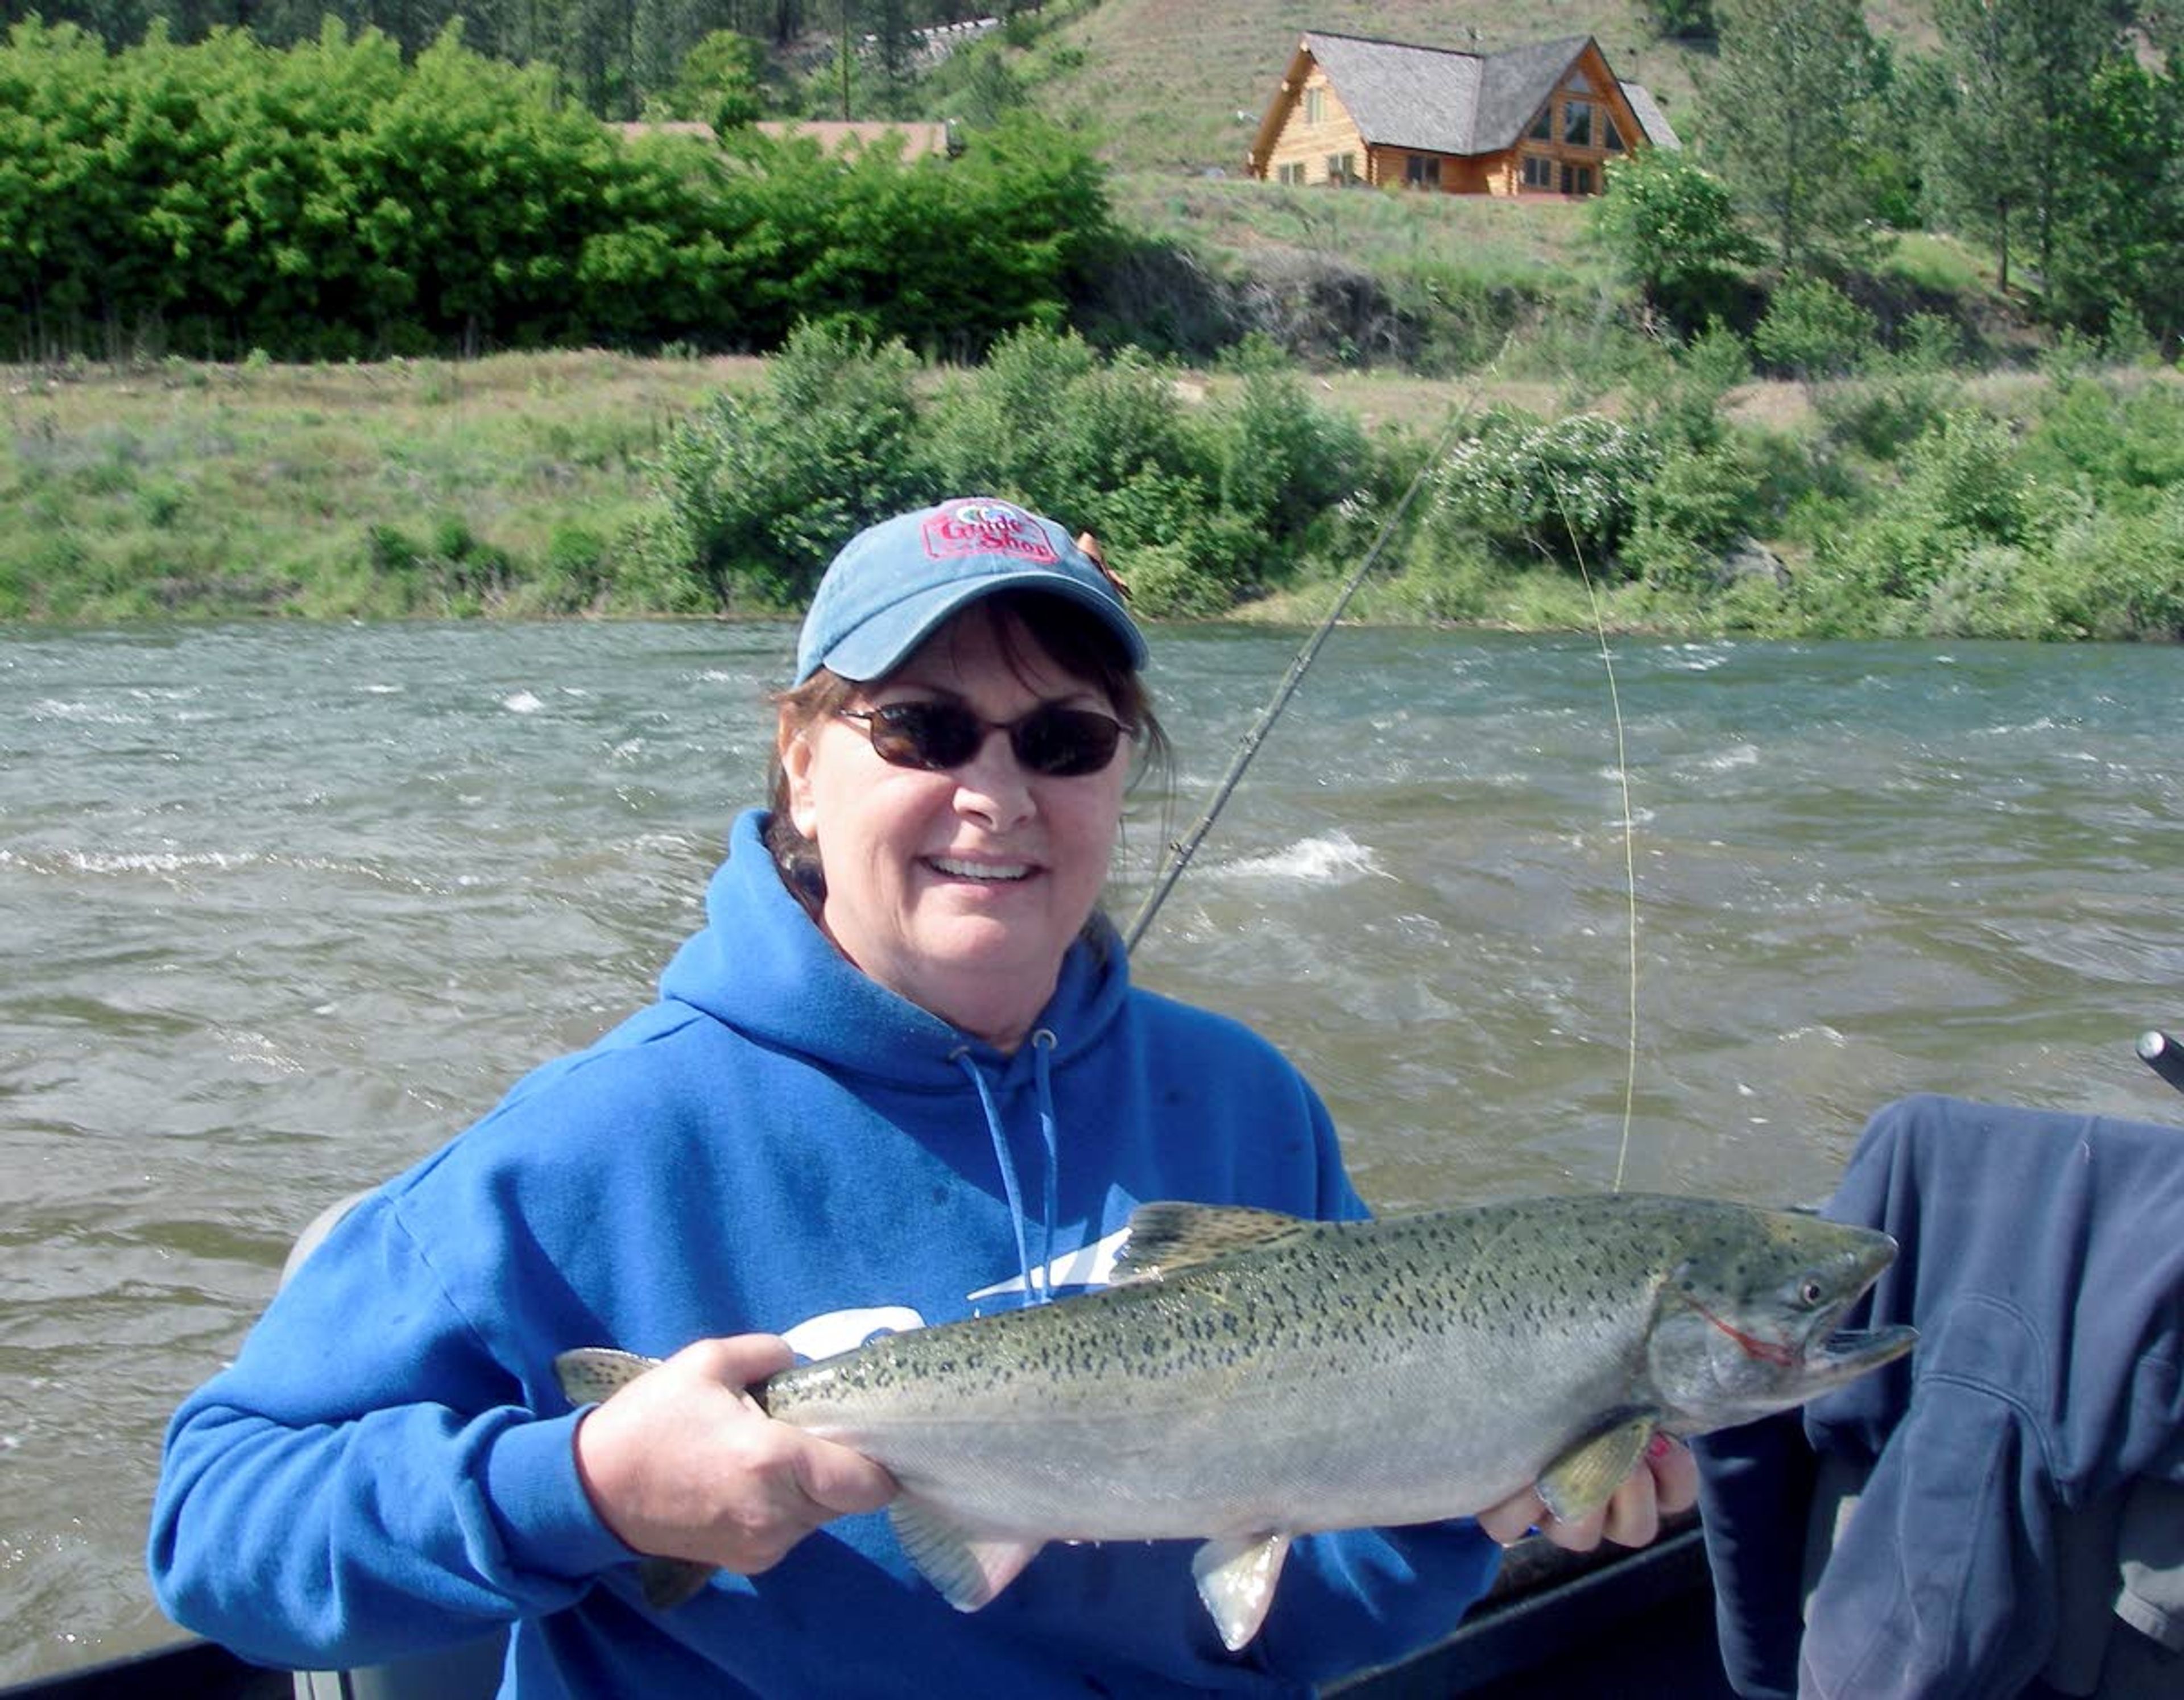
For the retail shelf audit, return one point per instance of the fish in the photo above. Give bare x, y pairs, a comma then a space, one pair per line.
1251, 1377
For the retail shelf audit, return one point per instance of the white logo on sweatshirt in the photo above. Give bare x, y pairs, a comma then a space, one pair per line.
845, 1330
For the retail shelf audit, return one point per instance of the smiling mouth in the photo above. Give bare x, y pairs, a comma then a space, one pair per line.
985, 872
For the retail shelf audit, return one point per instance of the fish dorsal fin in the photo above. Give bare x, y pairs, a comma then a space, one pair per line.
1168, 1236
1236, 1579
1579, 1482
966, 1570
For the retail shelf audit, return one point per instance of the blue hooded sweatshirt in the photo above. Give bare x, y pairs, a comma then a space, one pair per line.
781, 1145
2043, 1262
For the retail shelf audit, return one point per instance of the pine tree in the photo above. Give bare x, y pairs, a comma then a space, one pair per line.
1786, 113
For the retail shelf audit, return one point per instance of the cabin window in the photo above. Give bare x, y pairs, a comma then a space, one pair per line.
1422, 171
1292, 174
1342, 168
1578, 84
1611, 138
1539, 172
1315, 105
1577, 122
1577, 180
1543, 126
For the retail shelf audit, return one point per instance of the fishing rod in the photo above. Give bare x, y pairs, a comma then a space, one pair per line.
2161, 1053
1180, 852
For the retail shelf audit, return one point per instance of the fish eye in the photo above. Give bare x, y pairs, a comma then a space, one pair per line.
1810, 1292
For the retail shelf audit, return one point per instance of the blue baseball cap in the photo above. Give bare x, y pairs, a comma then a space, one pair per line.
894, 584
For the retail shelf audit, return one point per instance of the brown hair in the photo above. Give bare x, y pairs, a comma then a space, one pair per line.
1064, 633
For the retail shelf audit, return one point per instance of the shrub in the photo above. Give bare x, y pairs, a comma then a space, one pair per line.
1812, 330
1671, 225
1899, 393
1687, 514
760, 491
1563, 488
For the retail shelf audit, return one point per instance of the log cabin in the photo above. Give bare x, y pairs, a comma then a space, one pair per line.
1543, 120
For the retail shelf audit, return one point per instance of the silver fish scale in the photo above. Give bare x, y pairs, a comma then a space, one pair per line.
1254, 1377
1370, 1373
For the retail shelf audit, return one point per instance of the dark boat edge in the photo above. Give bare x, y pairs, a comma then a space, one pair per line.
1553, 1622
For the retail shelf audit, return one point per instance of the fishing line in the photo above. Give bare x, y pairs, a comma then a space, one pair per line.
1181, 850
1629, 829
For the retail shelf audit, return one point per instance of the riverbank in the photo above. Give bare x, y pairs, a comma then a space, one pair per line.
523, 485
510, 485
184, 489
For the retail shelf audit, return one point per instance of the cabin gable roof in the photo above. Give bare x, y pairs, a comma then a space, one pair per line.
1403, 96
1436, 100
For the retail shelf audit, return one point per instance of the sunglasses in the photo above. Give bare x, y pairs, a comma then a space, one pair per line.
1060, 743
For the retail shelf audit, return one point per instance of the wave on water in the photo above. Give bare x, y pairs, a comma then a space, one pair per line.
1330, 859
521, 703
167, 865
94, 714
1735, 755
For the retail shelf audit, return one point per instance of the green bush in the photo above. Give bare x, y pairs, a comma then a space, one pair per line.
760, 491
1695, 505
333, 200
1960, 490
1812, 330
1899, 393
2120, 576
1197, 504
1565, 488
1680, 400
2125, 442
1671, 225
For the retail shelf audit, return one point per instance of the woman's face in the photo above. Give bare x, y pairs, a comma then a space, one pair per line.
960, 890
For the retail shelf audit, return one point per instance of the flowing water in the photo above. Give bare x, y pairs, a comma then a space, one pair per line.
284, 907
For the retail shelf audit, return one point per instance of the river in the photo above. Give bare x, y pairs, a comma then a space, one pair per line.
286, 906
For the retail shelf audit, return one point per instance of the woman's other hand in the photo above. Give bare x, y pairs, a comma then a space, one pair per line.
682, 1463
1665, 1481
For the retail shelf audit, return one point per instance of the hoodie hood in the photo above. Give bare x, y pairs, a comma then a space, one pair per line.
761, 965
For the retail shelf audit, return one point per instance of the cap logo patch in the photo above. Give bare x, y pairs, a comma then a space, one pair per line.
987, 528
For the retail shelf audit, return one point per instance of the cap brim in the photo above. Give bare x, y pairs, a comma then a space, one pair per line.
886, 640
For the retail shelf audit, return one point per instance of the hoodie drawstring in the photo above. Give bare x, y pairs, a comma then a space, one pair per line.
1042, 1051
1034, 1274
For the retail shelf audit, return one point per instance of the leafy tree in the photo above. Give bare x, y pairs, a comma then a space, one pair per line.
1788, 109
720, 81
1671, 225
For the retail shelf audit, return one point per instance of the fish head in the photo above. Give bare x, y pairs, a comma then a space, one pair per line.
1749, 1320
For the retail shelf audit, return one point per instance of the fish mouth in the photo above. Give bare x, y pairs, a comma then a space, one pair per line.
1835, 1354
1848, 1352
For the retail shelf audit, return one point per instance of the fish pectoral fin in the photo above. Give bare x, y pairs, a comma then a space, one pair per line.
1166, 1236
967, 1569
668, 1582
1579, 1482
591, 1374
1236, 1579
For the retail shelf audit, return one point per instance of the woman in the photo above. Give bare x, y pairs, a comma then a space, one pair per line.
899, 1076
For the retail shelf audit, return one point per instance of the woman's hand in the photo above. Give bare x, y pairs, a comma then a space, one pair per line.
1665, 1481
682, 1463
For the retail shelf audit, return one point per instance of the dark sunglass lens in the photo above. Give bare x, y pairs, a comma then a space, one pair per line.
935, 735
1062, 741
